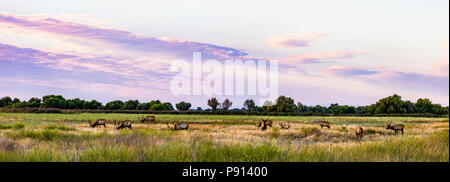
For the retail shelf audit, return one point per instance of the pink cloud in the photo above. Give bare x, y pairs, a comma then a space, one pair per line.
397, 80
343, 71
317, 57
129, 40
302, 39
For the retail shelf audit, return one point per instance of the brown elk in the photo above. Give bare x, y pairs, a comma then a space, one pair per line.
269, 122
98, 123
359, 132
147, 119
325, 124
178, 126
263, 124
123, 124
284, 125
396, 127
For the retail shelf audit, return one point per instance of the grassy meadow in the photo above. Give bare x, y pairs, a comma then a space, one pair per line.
222, 138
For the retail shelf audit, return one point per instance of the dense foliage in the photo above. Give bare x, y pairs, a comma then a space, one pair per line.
389, 105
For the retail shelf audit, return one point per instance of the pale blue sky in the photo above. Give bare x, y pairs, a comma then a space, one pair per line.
407, 36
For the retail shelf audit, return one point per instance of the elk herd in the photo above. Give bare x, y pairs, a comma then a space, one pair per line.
128, 124
359, 131
263, 124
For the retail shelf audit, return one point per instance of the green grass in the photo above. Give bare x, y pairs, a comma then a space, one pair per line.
67, 137
38, 119
62, 128
13, 126
431, 148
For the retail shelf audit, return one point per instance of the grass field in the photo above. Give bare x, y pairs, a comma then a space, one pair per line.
68, 137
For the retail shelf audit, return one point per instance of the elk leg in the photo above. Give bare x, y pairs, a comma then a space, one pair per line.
402, 131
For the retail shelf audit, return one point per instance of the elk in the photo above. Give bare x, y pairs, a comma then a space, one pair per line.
123, 124
178, 126
263, 124
284, 125
147, 119
325, 124
98, 123
396, 127
359, 132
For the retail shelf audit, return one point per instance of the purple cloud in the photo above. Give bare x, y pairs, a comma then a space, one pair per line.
168, 46
350, 71
302, 39
396, 80
318, 57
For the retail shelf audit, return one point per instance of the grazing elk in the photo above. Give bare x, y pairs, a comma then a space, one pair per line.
98, 123
263, 124
325, 124
123, 124
178, 126
147, 119
284, 125
269, 122
359, 132
396, 127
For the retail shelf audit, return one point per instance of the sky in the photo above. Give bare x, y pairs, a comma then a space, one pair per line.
346, 52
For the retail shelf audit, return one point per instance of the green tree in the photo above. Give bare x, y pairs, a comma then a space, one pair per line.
167, 106
5, 101
301, 107
424, 105
93, 104
114, 105
144, 106
131, 105
285, 104
75, 103
334, 108
391, 104
409, 106
34, 102
54, 101
226, 104
345, 109
19, 104
156, 107
183, 106
250, 105
15, 100
213, 103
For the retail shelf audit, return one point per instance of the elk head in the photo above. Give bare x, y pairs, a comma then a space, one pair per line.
388, 125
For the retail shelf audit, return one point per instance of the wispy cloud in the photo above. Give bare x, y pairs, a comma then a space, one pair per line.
343, 71
396, 80
58, 54
317, 57
126, 39
303, 39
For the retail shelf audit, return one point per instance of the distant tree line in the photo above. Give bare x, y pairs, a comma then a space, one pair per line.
389, 105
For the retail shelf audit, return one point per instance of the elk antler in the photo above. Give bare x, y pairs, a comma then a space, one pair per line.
345, 126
